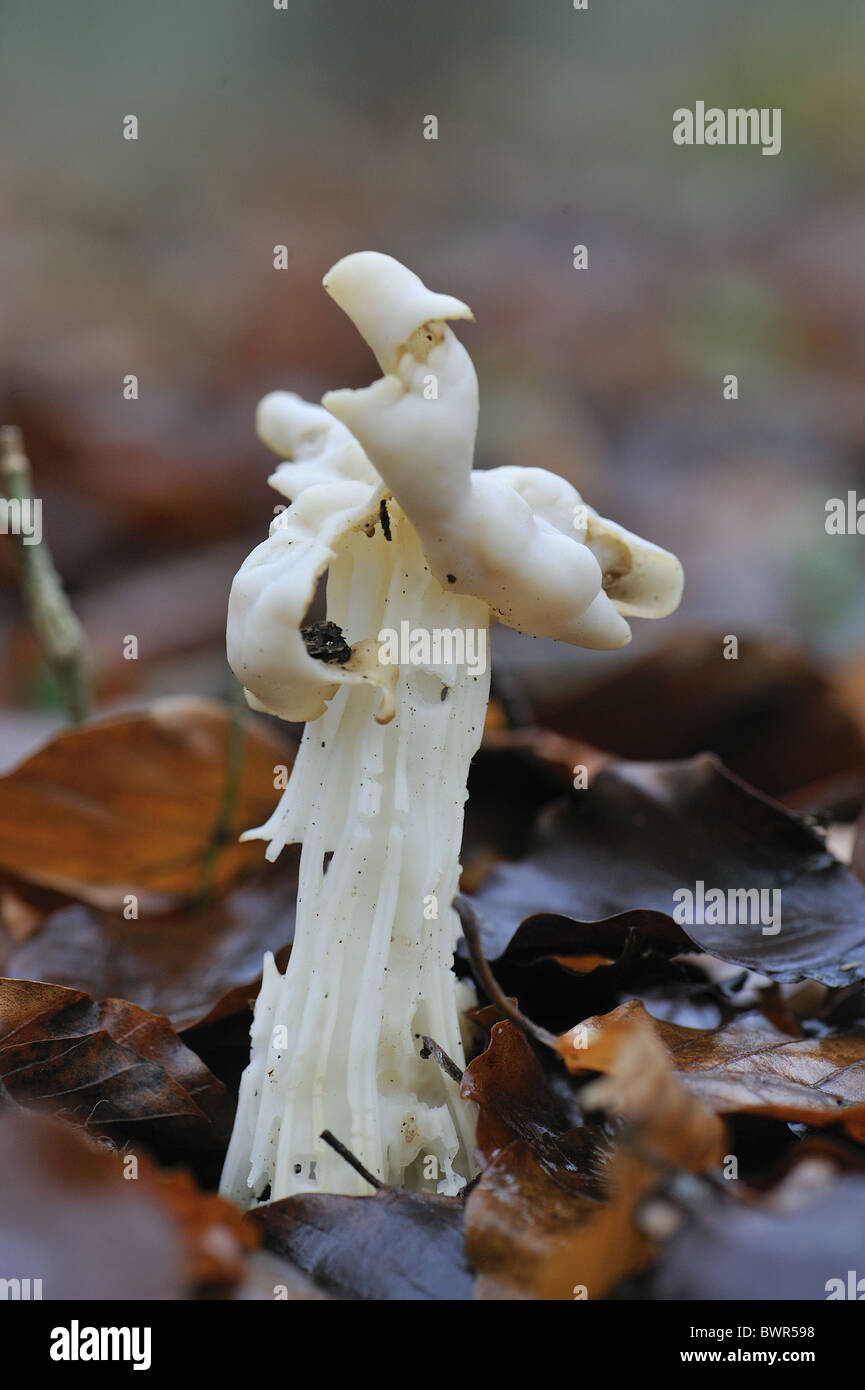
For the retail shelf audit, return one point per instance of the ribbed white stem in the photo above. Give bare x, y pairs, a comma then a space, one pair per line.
336, 1040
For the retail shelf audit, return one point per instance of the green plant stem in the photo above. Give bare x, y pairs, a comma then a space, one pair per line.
60, 635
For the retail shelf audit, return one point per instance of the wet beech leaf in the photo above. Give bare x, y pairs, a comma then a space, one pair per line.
391, 1245
113, 1068
516, 1101
640, 1087
748, 1067
525, 1231
267, 1277
128, 805
642, 832
531, 1231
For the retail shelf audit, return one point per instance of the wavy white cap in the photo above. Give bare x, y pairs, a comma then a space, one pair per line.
315, 447
506, 536
387, 302
509, 537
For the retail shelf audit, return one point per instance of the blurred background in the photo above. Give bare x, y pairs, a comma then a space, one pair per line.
304, 127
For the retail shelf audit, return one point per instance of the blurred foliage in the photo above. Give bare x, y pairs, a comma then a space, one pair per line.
304, 127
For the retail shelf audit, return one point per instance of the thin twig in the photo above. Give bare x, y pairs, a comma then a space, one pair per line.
472, 934
448, 1065
58, 631
351, 1160
470, 1186
233, 772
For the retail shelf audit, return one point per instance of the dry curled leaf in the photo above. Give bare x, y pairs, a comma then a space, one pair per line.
515, 1100
536, 1230
639, 1086
748, 1067
113, 1068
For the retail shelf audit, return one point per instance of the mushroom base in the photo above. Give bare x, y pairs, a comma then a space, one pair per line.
336, 1040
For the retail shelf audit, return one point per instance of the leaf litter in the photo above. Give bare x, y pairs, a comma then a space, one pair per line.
622, 1055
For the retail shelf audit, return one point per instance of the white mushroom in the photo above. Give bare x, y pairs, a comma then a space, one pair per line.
414, 543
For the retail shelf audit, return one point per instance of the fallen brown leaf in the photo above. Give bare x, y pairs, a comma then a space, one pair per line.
391, 1245
127, 806
678, 701
514, 1099
216, 1237
747, 1067
114, 1069
526, 1233
184, 964
532, 1231
68, 1218
642, 833
640, 1087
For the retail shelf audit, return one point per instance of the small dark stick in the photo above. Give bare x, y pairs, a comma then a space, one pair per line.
472, 934
351, 1160
385, 519
448, 1065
